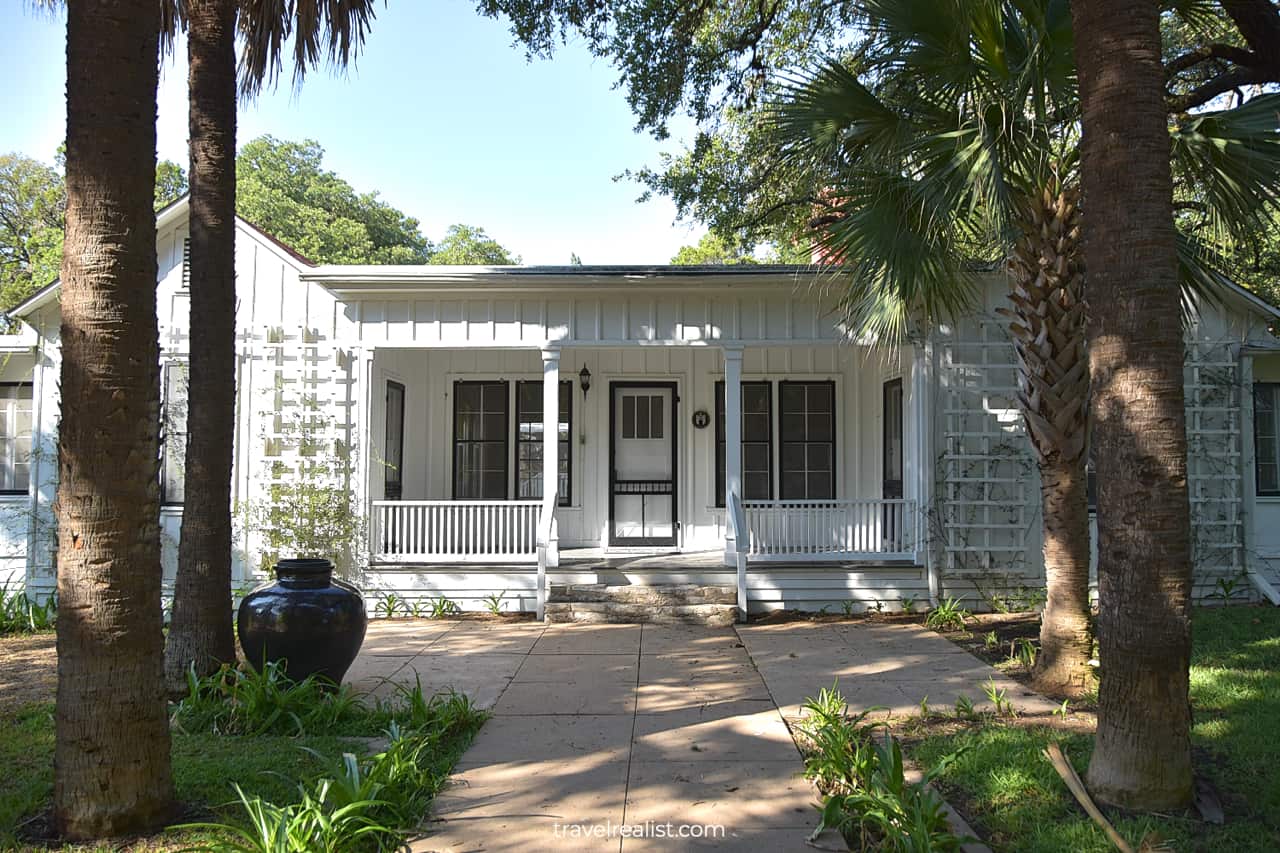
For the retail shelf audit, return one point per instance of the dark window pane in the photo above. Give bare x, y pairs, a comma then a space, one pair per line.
793, 485
755, 398
755, 457
792, 456
755, 487
818, 457
819, 486
793, 426
628, 416
468, 398
819, 427
658, 428
820, 398
792, 398
642, 417
530, 398
755, 427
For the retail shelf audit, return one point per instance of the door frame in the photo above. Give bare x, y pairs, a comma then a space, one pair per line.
645, 541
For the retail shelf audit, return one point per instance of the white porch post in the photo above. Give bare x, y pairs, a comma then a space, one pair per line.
364, 438
551, 440
732, 444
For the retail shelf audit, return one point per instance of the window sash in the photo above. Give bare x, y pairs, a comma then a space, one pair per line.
807, 433
757, 442
1266, 437
173, 472
481, 430
16, 413
894, 439
529, 442
393, 451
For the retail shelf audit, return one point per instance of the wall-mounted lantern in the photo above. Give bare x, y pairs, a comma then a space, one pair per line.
584, 380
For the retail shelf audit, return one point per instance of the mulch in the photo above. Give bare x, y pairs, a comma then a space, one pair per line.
28, 669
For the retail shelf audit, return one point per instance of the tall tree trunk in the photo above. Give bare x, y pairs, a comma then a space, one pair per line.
1048, 328
1142, 757
200, 632
111, 760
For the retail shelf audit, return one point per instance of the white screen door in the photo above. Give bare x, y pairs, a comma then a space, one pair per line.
642, 480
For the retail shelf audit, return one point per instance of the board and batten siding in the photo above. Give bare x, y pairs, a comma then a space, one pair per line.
781, 315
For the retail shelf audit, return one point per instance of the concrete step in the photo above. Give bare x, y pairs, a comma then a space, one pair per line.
655, 595
709, 615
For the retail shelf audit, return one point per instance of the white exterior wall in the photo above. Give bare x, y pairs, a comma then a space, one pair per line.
428, 377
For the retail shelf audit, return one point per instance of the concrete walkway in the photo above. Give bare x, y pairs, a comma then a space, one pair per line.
596, 727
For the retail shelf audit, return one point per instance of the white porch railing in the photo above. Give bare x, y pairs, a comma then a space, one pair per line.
454, 531
831, 530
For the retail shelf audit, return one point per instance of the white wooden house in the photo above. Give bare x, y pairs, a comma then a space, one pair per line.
871, 474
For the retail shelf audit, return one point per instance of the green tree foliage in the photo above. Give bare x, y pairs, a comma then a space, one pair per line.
32, 208
713, 250
674, 56
468, 244
171, 183
33, 203
283, 188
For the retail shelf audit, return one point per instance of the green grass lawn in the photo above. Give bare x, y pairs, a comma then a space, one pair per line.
204, 766
1011, 793
301, 732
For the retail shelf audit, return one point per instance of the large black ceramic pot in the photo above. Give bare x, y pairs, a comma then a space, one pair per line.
308, 619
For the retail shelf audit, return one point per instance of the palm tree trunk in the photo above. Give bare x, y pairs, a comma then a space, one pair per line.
1142, 757
200, 632
111, 759
1048, 329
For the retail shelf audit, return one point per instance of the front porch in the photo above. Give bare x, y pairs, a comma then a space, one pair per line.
732, 433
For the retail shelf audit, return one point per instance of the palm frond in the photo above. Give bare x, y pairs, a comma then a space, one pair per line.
331, 31
1227, 167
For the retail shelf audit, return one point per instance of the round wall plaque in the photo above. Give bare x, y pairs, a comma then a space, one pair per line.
701, 419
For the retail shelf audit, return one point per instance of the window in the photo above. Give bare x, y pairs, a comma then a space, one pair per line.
529, 441
642, 416
173, 472
1266, 437
15, 437
757, 441
807, 433
480, 440
393, 453
891, 486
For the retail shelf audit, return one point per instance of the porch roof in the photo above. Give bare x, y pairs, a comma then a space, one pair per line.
346, 279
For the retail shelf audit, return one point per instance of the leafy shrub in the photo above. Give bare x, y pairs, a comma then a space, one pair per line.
1023, 651
20, 615
863, 781
242, 701
947, 616
363, 804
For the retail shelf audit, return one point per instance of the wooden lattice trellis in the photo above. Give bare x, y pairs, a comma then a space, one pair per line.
302, 416
1214, 463
988, 499
986, 519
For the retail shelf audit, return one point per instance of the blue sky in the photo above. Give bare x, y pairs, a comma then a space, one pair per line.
442, 115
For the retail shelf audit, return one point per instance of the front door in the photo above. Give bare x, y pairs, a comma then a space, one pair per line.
642, 464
